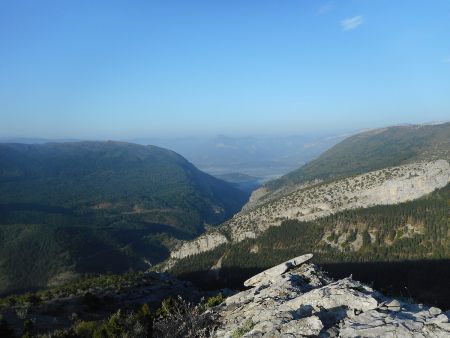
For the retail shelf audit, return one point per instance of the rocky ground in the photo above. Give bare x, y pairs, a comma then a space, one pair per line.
297, 299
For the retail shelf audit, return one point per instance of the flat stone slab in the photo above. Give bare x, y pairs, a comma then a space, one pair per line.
278, 270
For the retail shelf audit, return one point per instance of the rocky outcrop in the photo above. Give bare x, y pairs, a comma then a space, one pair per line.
308, 202
303, 301
277, 270
206, 242
386, 186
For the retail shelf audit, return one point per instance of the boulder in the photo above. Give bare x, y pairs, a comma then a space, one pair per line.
277, 270
394, 305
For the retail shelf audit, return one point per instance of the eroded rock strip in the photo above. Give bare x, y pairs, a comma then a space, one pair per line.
381, 187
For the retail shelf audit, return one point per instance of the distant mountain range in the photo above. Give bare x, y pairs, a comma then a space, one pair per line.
76, 207
266, 157
241, 181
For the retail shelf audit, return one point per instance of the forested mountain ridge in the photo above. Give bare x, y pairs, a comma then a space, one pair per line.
366, 151
372, 150
425, 170
113, 175
88, 207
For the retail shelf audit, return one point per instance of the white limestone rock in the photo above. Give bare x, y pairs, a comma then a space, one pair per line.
206, 242
305, 302
309, 326
411, 321
394, 305
312, 201
346, 292
277, 270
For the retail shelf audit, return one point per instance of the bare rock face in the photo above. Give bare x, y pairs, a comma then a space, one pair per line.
381, 187
299, 300
311, 201
206, 242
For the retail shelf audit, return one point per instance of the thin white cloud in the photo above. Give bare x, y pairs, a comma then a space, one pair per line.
446, 60
325, 8
352, 23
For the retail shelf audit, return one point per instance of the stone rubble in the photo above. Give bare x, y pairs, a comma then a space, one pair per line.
300, 300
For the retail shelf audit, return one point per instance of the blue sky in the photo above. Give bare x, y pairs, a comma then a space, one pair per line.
115, 69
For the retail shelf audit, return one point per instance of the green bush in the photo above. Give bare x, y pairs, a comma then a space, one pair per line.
32, 298
215, 300
28, 327
184, 319
86, 329
247, 327
167, 307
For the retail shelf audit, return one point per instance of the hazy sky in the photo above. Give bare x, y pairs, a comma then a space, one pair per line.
138, 68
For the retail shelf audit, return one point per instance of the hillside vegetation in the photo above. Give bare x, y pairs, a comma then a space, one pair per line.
418, 229
71, 208
373, 150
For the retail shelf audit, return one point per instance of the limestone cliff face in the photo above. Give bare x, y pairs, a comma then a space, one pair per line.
206, 242
296, 299
308, 202
255, 197
386, 186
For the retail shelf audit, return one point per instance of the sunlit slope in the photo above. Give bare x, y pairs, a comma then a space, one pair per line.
373, 150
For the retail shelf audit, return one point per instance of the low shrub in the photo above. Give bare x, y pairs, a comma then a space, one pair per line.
184, 320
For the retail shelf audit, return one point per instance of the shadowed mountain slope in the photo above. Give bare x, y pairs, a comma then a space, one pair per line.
99, 206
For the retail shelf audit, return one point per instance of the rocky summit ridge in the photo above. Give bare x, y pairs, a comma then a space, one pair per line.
298, 299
